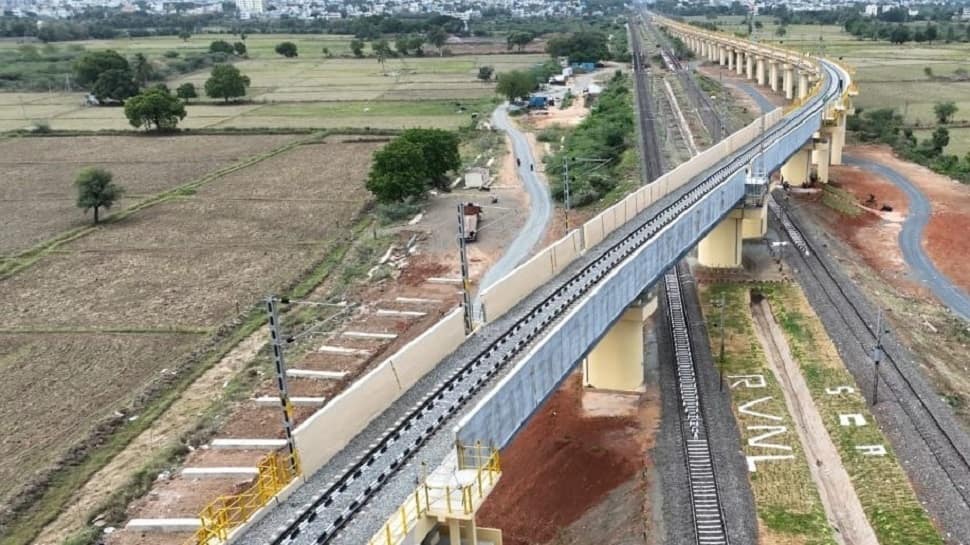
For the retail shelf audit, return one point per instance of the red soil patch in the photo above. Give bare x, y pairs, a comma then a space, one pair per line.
862, 184
945, 240
561, 465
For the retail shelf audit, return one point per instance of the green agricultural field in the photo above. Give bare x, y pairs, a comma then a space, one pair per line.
959, 139
306, 92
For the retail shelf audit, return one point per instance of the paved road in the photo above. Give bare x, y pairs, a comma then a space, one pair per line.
540, 205
911, 239
911, 236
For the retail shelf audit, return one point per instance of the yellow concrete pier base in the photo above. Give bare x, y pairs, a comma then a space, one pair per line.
788, 82
796, 170
754, 223
837, 141
820, 158
721, 248
773, 75
616, 362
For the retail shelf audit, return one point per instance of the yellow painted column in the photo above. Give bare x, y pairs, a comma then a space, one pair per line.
755, 222
722, 55
837, 140
820, 158
721, 248
739, 65
802, 84
773, 75
473, 531
616, 362
730, 58
454, 530
788, 82
749, 65
795, 171
760, 70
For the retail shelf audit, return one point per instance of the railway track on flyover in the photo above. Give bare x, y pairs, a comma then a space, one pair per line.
942, 444
320, 521
709, 521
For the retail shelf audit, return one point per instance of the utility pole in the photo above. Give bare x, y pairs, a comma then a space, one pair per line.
466, 301
720, 367
565, 185
876, 357
277, 342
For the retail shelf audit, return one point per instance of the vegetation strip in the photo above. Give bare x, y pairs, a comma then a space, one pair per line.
785, 494
886, 495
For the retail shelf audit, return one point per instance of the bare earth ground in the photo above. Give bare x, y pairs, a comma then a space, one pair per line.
432, 256
876, 263
37, 190
126, 292
564, 464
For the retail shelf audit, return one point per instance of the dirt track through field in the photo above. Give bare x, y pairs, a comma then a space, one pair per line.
842, 505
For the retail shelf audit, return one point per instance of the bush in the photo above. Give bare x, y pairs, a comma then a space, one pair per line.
171, 54
393, 212
41, 126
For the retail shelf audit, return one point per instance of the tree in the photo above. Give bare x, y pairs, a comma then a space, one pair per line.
440, 151
226, 82
90, 66
781, 31
944, 111
951, 34
940, 140
142, 69
95, 190
759, 25
515, 84
221, 46
437, 37
931, 33
485, 72
397, 172
928, 71
519, 40
382, 50
240, 48
186, 91
115, 84
287, 49
155, 108
900, 35
402, 44
185, 35
586, 46
326, 52
357, 47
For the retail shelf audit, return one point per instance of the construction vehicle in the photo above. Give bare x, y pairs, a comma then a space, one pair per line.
471, 215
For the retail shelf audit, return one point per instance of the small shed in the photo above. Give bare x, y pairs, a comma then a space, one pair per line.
476, 178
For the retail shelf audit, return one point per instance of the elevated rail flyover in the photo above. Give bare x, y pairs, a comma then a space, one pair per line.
549, 314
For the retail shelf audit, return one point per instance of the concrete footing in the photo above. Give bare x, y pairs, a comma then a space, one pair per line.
220, 472
310, 373
417, 301
274, 401
400, 313
343, 351
164, 525
256, 444
367, 335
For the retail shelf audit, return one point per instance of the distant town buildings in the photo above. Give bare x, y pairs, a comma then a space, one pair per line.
250, 8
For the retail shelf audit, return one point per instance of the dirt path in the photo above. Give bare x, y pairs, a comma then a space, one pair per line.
842, 505
178, 419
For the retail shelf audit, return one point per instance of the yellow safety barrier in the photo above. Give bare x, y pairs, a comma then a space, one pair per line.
220, 517
444, 499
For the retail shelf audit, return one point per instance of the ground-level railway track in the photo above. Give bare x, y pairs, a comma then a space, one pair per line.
945, 448
321, 520
652, 159
706, 509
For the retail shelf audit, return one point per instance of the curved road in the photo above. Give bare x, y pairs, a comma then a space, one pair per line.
911, 236
911, 239
540, 206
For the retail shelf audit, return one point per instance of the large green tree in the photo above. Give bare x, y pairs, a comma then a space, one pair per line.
515, 84
382, 51
437, 37
142, 69
397, 172
221, 46
287, 49
115, 84
357, 47
155, 108
226, 82
95, 190
91, 65
585, 46
440, 151
518, 39
186, 91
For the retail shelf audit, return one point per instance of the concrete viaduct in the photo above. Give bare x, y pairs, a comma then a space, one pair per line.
581, 300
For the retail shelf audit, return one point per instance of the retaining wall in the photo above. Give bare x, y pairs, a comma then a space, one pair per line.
329, 429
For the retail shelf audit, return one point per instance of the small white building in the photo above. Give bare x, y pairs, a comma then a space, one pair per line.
872, 10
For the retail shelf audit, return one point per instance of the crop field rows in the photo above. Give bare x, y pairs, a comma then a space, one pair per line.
311, 92
126, 304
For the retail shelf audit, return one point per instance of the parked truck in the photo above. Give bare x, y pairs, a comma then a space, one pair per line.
471, 215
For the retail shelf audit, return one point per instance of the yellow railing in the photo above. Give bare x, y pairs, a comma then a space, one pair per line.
445, 499
220, 517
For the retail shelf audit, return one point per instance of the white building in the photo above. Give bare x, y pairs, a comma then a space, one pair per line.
250, 7
872, 10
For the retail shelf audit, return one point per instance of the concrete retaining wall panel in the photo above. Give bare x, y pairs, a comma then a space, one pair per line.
329, 429
593, 231
508, 291
566, 250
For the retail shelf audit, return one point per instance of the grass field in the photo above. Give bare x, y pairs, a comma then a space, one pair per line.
883, 488
959, 140
305, 93
114, 310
